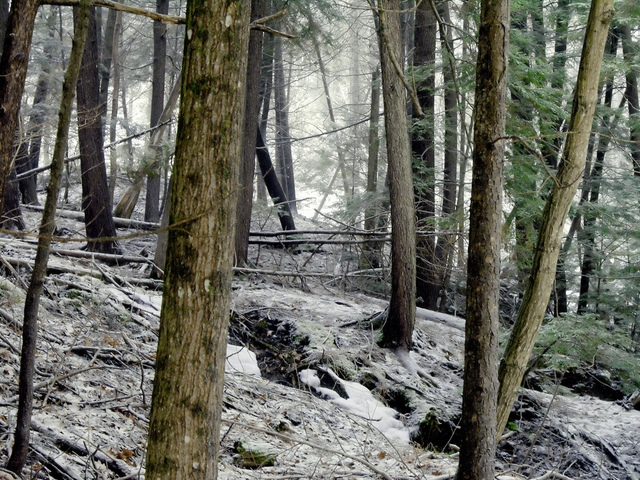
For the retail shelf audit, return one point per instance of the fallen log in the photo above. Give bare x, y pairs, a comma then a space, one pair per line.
119, 222
57, 268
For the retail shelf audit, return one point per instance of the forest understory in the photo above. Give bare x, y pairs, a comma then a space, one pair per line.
327, 403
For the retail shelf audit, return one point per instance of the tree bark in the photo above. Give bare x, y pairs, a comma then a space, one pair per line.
47, 226
445, 241
37, 119
4, 19
152, 201
370, 256
100, 229
536, 297
398, 329
630, 52
184, 429
276, 192
115, 57
284, 157
479, 394
593, 180
423, 149
13, 72
248, 162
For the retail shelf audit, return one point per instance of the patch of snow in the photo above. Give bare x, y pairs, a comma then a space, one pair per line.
362, 403
241, 360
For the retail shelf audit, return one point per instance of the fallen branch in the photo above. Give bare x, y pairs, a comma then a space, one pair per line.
123, 8
119, 222
57, 268
308, 241
287, 233
65, 443
51, 460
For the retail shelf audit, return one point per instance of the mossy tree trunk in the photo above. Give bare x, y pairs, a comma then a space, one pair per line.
187, 394
536, 297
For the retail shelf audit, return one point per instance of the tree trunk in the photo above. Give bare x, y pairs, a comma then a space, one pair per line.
445, 242
284, 158
248, 162
370, 256
4, 19
113, 154
479, 394
37, 119
106, 58
423, 148
398, 329
13, 72
152, 202
101, 232
266, 86
47, 226
276, 192
630, 51
536, 297
188, 386
593, 182
27, 186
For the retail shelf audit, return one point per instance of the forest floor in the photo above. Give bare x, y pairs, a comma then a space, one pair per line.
327, 402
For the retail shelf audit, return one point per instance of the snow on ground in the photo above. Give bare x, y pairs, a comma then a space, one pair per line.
331, 404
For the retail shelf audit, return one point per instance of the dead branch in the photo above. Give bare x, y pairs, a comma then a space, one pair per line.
351, 233
57, 268
308, 241
119, 222
65, 443
123, 8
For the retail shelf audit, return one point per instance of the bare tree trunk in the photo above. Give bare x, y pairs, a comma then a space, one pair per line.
152, 203
445, 242
113, 154
423, 149
100, 229
631, 94
536, 297
189, 381
248, 162
276, 192
47, 226
593, 180
398, 329
479, 393
4, 19
106, 57
284, 158
332, 117
33, 142
370, 257
266, 87
13, 72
